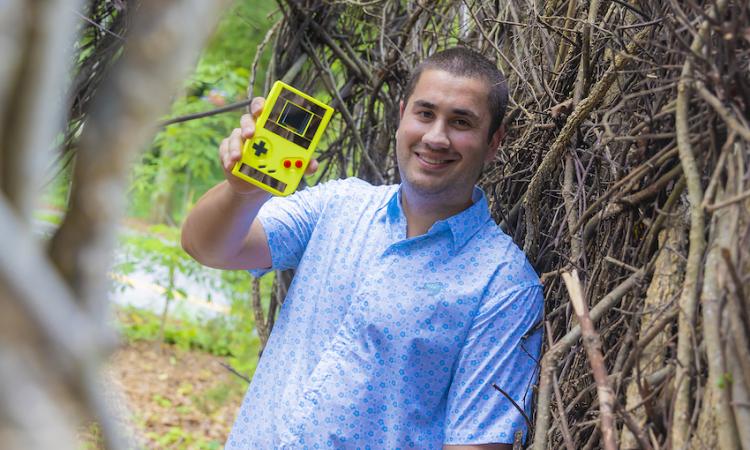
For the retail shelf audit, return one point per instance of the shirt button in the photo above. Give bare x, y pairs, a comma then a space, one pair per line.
309, 396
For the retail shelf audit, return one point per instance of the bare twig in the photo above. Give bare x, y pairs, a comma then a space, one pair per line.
235, 372
728, 202
515, 405
201, 115
732, 122
689, 297
580, 113
551, 359
593, 346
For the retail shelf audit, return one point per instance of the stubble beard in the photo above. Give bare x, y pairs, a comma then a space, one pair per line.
440, 190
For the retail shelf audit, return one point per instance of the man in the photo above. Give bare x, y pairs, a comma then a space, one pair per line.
408, 303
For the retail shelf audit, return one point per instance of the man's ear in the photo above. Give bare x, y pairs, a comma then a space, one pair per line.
401, 109
495, 141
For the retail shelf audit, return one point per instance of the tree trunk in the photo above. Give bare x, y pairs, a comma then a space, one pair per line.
665, 286
53, 315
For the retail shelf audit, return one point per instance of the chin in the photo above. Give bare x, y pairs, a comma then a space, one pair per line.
426, 188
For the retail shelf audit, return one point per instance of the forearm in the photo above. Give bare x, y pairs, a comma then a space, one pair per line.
219, 231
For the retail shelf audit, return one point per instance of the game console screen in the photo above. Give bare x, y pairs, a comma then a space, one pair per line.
295, 118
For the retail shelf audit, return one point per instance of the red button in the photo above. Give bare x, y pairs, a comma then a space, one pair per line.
298, 163
287, 164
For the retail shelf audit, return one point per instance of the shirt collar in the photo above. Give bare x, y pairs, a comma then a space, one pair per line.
462, 226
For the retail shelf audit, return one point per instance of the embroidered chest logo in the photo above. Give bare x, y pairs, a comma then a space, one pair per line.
432, 289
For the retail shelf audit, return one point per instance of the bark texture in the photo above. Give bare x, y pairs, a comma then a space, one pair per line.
53, 302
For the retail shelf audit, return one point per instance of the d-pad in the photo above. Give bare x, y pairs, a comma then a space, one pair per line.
260, 148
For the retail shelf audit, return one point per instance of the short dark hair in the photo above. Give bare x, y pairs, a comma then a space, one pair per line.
465, 62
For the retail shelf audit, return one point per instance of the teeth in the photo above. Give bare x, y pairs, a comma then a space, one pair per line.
434, 161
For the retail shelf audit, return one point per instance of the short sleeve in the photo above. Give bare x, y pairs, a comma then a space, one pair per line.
502, 348
290, 221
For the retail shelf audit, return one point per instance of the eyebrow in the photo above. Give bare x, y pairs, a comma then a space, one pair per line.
458, 111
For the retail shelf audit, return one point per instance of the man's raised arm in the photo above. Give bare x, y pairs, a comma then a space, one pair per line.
221, 230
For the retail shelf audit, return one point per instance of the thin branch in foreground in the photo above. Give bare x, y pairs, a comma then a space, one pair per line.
234, 371
203, 114
523, 413
593, 346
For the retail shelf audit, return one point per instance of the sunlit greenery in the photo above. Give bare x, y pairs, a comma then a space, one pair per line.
158, 253
221, 336
182, 162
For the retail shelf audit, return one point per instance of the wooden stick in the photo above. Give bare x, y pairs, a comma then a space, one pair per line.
689, 298
515, 405
200, 115
564, 427
728, 202
552, 357
593, 346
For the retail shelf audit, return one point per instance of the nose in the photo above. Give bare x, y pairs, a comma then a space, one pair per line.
436, 136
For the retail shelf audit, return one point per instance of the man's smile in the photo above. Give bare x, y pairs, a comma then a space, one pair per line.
434, 161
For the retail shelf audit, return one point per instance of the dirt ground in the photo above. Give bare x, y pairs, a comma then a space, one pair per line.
175, 399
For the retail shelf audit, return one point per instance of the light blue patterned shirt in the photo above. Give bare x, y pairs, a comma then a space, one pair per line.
385, 342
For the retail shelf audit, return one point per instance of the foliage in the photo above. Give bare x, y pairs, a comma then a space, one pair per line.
222, 336
90, 437
182, 160
239, 33
56, 190
182, 163
177, 436
52, 218
159, 253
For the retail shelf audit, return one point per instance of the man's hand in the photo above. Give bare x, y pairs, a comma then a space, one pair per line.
221, 230
230, 150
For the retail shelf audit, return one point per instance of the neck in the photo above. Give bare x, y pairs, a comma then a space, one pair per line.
421, 213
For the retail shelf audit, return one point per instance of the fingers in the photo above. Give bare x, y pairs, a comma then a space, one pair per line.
247, 124
230, 150
256, 106
223, 150
312, 167
247, 121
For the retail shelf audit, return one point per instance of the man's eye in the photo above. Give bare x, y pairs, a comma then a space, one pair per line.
425, 114
462, 123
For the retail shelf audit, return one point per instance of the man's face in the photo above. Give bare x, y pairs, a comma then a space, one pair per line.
442, 139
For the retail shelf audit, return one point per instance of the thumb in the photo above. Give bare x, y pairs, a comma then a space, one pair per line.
312, 167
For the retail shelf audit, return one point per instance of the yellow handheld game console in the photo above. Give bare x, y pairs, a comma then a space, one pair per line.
286, 134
